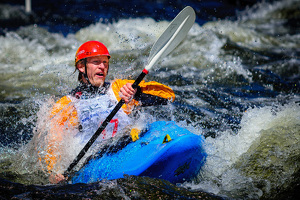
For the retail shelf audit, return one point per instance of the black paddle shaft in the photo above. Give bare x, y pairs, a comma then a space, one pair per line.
102, 127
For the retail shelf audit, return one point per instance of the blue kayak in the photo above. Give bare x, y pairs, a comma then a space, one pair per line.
165, 151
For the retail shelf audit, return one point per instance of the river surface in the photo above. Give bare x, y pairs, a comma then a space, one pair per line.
236, 78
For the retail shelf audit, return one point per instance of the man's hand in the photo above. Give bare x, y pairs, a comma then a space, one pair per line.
127, 92
57, 178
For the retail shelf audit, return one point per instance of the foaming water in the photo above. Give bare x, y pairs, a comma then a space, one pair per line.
124, 35
239, 165
236, 82
30, 65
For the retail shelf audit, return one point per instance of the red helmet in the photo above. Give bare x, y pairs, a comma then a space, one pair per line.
90, 49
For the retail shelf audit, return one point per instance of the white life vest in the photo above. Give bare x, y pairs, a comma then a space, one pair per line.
93, 111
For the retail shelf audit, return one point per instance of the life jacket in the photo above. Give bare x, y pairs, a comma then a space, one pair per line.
92, 110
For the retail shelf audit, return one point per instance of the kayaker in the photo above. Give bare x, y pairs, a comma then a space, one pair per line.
87, 106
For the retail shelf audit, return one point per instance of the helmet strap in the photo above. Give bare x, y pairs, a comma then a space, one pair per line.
85, 74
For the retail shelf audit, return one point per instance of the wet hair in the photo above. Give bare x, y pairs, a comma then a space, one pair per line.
83, 61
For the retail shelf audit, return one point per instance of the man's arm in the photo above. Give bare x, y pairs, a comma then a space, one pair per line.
63, 115
148, 93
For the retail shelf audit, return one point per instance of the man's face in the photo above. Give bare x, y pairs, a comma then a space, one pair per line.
97, 68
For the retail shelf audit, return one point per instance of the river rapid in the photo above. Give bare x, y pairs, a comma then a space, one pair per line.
236, 78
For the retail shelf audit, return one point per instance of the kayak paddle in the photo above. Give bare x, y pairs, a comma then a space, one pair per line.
171, 37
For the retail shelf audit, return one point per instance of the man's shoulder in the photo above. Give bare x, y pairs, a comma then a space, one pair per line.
64, 100
121, 82
60, 104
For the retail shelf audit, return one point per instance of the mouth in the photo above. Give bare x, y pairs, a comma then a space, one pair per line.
100, 74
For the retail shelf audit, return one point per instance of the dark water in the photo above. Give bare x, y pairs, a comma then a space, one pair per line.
71, 15
235, 76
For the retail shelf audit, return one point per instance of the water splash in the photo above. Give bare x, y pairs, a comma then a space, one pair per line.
248, 163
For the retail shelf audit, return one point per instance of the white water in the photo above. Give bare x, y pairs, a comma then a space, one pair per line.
219, 174
38, 65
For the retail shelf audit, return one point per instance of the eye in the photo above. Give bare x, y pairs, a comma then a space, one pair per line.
96, 62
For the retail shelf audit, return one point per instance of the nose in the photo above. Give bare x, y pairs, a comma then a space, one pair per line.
101, 65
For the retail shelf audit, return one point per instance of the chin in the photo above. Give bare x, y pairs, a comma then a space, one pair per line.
98, 83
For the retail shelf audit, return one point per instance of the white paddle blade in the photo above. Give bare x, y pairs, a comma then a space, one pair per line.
172, 36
